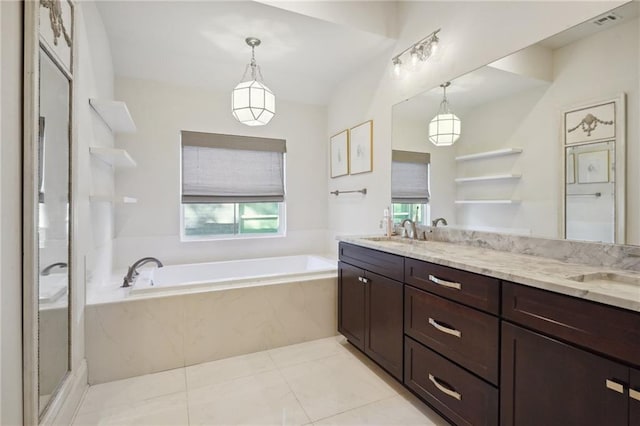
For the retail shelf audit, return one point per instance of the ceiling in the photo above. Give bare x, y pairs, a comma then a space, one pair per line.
487, 84
201, 44
479, 87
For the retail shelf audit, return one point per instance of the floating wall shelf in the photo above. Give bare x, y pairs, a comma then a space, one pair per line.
113, 199
115, 114
491, 177
489, 154
114, 156
487, 201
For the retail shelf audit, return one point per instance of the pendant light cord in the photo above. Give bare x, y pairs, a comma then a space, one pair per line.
255, 68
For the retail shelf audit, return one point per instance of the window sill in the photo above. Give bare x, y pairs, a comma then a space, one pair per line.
236, 237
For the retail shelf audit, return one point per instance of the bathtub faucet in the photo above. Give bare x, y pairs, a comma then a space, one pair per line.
47, 270
132, 272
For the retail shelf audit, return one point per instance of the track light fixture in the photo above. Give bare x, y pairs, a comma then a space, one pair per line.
418, 52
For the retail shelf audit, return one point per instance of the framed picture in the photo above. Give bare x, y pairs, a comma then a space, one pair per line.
339, 154
593, 167
571, 169
361, 148
590, 124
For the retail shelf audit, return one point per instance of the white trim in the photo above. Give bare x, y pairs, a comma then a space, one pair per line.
67, 401
620, 165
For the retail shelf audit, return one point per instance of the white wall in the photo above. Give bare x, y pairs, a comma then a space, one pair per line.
152, 226
472, 34
533, 121
93, 222
11, 214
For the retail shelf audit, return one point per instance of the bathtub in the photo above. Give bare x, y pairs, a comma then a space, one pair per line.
189, 314
233, 273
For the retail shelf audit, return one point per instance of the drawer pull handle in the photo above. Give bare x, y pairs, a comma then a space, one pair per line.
444, 283
360, 279
443, 389
365, 280
634, 394
451, 331
614, 386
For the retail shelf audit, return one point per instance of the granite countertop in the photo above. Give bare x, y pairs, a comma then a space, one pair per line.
614, 287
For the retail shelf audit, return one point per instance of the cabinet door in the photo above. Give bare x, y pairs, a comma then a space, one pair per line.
351, 293
546, 382
634, 398
383, 339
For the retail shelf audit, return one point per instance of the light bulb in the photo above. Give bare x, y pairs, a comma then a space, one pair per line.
433, 46
415, 57
397, 68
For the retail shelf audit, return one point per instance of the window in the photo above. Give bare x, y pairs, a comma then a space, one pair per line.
232, 186
410, 186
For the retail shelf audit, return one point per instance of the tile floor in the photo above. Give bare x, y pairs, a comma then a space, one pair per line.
322, 382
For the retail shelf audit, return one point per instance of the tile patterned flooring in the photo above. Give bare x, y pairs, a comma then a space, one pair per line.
322, 382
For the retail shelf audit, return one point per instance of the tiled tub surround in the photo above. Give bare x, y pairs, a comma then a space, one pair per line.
140, 335
534, 271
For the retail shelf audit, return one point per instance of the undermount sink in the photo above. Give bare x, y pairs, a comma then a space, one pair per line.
608, 279
390, 240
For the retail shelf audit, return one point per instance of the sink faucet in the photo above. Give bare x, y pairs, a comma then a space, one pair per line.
47, 270
413, 233
132, 272
442, 220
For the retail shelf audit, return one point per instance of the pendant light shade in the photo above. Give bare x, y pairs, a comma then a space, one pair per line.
444, 128
252, 102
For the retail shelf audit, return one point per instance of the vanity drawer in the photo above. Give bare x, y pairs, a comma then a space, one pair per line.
605, 329
465, 287
386, 264
464, 335
456, 393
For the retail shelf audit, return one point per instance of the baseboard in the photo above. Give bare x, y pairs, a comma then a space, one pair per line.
63, 408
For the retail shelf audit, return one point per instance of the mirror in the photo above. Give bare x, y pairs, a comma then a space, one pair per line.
509, 170
47, 212
53, 229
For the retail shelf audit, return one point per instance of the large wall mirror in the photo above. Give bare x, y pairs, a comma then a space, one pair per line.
47, 203
516, 168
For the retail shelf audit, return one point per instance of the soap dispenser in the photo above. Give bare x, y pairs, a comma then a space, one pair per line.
388, 223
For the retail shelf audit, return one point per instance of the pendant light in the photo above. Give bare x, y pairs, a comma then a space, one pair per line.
444, 129
252, 102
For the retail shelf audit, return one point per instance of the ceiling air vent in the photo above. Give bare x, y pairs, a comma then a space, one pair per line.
607, 19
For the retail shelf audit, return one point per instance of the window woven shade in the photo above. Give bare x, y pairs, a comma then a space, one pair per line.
231, 169
410, 177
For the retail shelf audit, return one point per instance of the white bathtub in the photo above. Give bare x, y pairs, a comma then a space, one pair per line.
232, 273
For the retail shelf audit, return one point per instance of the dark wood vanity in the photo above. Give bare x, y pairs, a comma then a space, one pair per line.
482, 351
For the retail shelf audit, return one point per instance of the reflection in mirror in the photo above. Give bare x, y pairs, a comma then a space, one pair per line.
53, 230
410, 186
505, 173
590, 192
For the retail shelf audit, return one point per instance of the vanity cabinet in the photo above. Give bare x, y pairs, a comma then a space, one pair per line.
452, 337
572, 366
634, 397
370, 304
477, 291
466, 336
482, 351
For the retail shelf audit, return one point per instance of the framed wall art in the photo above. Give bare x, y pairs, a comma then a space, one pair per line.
593, 167
339, 146
361, 148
